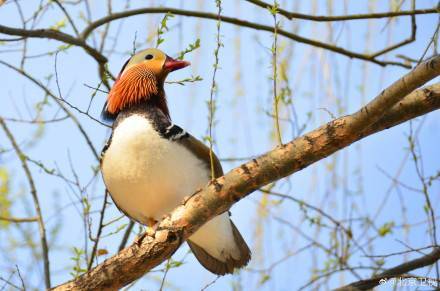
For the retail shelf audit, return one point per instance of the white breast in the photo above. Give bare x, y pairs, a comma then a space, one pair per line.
147, 175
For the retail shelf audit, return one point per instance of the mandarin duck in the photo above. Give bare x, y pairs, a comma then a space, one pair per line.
149, 165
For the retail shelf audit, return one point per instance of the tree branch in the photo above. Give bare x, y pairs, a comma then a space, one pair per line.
390, 108
102, 60
213, 16
56, 35
59, 103
65, 38
98, 232
294, 15
401, 269
34, 194
69, 18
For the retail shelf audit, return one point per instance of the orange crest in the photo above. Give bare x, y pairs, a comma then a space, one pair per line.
136, 84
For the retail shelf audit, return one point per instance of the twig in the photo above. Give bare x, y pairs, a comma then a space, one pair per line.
66, 38
34, 194
428, 204
167, 269
410, 39
99, 231
213, 91
332, 272
95, 88
19, 220
8, 282
59, 103
210, 283
126, 235
23, 286
68, 103
402, 252
418, 263
36, 121
68, 17
276, 99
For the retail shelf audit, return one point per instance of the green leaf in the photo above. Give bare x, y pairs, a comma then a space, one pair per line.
174, 264
264, 279
5, 202
60, 24
64, 47
163, 28
191, 47
426, 208
385, 229
87, 205
77, 257
191, 79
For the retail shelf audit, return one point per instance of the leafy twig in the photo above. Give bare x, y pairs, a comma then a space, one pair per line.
163, 28
191, 47
211, 102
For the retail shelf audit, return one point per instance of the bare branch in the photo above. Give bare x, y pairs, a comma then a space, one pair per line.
68, 17
295, 15
206, 15
59, 103
404, 42
126, 235
99, 231
66, 38
401, 269
34, 194
56, 35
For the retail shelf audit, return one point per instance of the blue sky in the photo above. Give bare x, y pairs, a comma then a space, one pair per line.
347, 184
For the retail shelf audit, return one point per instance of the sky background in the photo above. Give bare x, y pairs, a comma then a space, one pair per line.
350, 184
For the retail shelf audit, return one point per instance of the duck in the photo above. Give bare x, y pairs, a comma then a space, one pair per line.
149, 164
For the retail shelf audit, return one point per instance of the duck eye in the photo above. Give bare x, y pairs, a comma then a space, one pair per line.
148, 57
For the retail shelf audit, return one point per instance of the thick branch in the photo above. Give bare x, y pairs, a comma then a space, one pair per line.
391, 107
375, 109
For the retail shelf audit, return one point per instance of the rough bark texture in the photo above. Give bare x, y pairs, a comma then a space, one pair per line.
393, 106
